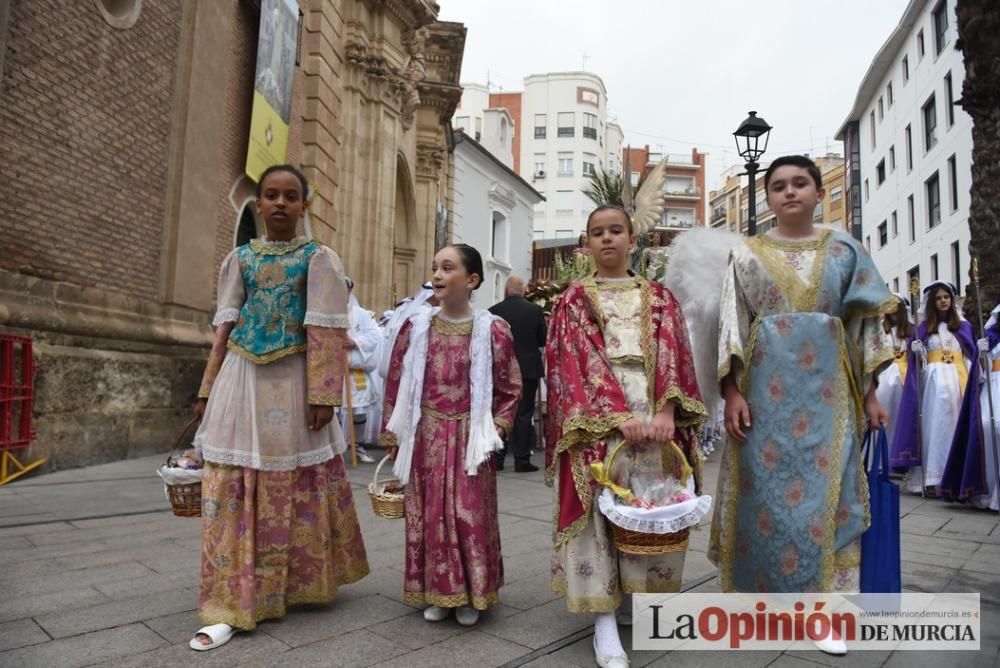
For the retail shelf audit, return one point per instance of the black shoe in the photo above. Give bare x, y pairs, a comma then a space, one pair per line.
499, 463
525, 468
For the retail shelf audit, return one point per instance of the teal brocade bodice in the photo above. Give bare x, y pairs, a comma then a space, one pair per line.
270, 323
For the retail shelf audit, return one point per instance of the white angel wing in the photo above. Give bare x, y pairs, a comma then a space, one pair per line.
699, 259
649, 200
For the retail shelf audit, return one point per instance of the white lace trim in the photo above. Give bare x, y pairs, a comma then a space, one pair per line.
326, 320
664, 519
226, 315
265, 463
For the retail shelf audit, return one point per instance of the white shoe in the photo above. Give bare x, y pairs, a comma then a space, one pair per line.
619, 661
467, 615
364, 457
831, 645
436, 613
218, 634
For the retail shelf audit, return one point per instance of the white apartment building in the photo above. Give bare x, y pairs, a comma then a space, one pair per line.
566, 137
493, 207
909, 153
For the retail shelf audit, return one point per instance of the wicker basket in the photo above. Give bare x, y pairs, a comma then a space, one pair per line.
185, 500
386, 495
635, 542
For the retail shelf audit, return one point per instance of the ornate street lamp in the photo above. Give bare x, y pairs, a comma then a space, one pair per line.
751, 142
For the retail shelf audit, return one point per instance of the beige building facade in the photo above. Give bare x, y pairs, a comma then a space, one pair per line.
124, 136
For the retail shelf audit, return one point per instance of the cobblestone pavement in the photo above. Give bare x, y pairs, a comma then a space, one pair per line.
95, 570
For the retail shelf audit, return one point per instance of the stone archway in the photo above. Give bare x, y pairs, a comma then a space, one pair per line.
404, 250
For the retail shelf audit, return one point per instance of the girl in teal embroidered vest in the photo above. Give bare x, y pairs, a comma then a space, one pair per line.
278, 519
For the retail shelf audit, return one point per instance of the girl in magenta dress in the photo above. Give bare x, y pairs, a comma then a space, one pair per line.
451, 391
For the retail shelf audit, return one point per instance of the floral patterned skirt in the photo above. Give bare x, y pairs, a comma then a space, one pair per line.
452, 530
275, 538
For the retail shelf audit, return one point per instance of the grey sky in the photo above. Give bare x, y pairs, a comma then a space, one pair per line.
681, 73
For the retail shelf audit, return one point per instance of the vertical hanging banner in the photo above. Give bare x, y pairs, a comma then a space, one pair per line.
272, 95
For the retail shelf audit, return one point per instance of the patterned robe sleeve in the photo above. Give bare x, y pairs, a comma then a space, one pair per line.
675, 379
506, 377
865, 301
231, 296
393, 377
734, 324
326, 324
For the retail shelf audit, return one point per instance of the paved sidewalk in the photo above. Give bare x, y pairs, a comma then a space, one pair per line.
95, 570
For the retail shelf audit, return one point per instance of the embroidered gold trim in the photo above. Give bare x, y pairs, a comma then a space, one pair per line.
266, 358
427, 410
262, 247
332, 399
449, 328
801, 296
694, 411
450, 601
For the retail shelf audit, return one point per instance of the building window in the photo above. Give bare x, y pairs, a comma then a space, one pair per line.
589, 126
539, 126
868, 243
906, 69
732, 202
956, 266
940, 15
911, 218
567, 124
909, 148
895, 225
836, 193
880, 171
881, 110
479, 129
499, 246
871, 119
920, 45
949, 100
895, 284
883, 234
892, 159
888, 94
539, 165
933, 189
934, 267
589, 164
929, 112
913, 275
565, 164
953, 182
866, 190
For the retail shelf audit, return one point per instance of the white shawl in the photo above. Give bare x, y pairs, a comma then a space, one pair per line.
483, 437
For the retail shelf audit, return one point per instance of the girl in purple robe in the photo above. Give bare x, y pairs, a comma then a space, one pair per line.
942, 458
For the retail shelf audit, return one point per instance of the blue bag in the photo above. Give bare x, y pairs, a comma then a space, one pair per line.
880, 570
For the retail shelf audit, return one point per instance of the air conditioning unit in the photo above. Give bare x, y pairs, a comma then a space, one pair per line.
540, 174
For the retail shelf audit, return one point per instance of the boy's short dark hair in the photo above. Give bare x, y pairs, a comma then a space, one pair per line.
795, 161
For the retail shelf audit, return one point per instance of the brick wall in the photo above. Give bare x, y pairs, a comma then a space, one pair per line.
512, 103
84, 131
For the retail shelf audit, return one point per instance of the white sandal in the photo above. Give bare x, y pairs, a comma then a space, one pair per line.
219, 634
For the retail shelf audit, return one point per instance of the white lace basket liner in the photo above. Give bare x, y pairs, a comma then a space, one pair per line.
668, 519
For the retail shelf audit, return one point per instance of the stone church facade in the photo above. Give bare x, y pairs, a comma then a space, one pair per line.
123, 131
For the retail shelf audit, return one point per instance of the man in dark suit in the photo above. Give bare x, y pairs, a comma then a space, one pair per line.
527, 324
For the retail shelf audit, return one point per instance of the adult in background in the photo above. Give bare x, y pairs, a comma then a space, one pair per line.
527, 323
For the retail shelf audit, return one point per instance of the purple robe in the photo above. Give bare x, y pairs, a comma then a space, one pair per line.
965, 473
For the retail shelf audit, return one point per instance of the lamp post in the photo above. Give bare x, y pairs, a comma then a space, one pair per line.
751, 142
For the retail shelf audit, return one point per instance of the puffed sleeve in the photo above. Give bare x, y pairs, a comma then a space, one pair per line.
230, 298
231, 293
326, 324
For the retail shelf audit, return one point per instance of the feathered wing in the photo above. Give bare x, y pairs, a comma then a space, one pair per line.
649, 200
699, 259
